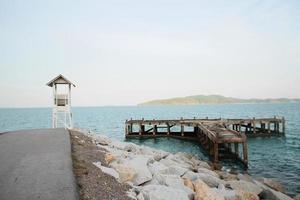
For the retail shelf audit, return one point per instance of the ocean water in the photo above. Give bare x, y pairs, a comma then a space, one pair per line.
275, 157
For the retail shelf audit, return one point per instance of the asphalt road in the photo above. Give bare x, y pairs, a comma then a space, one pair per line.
36, 164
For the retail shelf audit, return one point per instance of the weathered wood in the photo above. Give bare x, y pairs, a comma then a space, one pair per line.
214, 135
216, 152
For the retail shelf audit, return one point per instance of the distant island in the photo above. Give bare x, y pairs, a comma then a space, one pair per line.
213, 99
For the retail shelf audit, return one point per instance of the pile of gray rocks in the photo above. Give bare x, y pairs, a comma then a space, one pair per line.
159, 175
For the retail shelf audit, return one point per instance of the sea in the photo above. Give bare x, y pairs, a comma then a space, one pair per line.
273, 157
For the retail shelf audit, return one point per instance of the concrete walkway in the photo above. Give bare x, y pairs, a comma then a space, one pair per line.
36, 164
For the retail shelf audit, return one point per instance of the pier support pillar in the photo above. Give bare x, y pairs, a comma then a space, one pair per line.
140, 130
269, 127
283, 125
216, 152
154, 129
168, 129
236, 148
254, 126
182, 130
245, 153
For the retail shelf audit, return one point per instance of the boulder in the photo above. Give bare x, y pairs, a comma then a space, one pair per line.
176, 170
126, 173
297, 197
157, 179
207, 171
275, 185
204, 164
118, 145
169, 161
177, 182
139, 165
172, 160
226, 175
274, 195
243, 195
140, 196
244, 177
188, 183
110, 158
158, 167
102, 140
107, 170
227, 194
161, 192
203, 192
210, 180
130, 147
245, 186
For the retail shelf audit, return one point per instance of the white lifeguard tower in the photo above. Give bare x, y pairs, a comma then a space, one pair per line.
61, 113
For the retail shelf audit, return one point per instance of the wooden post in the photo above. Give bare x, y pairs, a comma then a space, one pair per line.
168, 129
254, 125
216, 152
229, 147
236, 148
126, 129
182, 130
245, 152
140, 130
154, 129
283, 125
269, 127
240, 128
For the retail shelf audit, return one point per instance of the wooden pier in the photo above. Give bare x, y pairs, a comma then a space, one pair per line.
221, 138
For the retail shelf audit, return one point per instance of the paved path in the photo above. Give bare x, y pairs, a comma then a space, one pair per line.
36, 164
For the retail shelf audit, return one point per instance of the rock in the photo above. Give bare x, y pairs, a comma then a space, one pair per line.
226, 176
118, 145
110, 158
245, 186
139, 165
158, 167
130, 147
207, 171
102, 140
131, 194
171, 161
158, 155
176, 170
140, 196
203, 192
177, 182
157, 179
272, 184
208, 179
227, 194
126, 173
243, 195
202, 164
107, 170
297, 197
161, 192
244, 177
188, 183
274, 195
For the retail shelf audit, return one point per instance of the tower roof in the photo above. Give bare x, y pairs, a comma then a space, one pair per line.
60, 79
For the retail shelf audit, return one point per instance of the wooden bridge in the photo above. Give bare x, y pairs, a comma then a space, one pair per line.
221, 138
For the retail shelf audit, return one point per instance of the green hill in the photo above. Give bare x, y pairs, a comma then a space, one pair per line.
212, 99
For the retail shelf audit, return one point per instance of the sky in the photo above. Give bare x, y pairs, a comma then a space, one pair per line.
125, 52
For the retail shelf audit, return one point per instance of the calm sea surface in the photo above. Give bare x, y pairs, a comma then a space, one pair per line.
268, 157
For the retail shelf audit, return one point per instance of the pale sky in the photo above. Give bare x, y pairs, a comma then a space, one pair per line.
125, 52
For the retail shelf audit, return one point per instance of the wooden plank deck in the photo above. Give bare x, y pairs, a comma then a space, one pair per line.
221, 138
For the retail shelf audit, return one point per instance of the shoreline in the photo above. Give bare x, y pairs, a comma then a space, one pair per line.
150, 173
